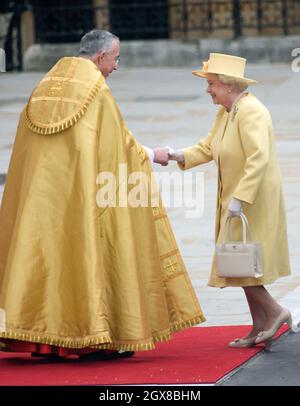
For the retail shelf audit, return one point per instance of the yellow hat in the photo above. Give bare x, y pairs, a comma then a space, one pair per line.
222, 64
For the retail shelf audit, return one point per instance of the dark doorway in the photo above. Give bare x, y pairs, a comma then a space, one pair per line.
62, 20
133, 19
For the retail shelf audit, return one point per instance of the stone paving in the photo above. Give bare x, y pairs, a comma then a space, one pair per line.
170, 107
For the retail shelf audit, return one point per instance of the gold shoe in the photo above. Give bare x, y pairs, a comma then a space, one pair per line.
243, 342
266, 336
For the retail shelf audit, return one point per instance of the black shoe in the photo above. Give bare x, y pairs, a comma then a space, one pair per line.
106, 355
123, 354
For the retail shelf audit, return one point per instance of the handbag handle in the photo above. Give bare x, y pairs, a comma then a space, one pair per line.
245, 228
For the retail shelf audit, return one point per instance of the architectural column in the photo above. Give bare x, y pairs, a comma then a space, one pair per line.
102, 21
27, 30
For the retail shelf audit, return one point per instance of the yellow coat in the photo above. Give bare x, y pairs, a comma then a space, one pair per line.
72, 273
241, 143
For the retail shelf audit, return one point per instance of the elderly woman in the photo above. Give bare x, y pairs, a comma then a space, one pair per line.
241, 142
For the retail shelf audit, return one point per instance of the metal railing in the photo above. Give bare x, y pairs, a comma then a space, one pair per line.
238, 17
166, 18
66, 21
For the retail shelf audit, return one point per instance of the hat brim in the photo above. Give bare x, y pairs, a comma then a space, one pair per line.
203, 74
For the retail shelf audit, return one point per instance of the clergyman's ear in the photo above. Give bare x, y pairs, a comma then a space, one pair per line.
100, 57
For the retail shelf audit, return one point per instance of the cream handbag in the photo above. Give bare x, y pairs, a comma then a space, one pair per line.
239, 259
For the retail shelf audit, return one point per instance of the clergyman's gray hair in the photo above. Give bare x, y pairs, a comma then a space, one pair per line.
96, 41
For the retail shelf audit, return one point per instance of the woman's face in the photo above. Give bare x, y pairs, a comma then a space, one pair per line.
219, 92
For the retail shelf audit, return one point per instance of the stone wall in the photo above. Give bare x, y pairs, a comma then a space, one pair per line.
174, 52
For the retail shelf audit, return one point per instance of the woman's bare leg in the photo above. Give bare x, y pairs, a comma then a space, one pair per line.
257, 313
264, 309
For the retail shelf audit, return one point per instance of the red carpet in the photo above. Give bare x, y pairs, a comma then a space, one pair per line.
195, 356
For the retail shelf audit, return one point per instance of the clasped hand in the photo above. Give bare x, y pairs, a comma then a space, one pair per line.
164, 155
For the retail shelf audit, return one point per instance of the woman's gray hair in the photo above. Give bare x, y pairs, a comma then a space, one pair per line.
96, 41
239, 84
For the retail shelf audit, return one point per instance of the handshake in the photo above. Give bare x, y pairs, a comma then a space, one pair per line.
164, 155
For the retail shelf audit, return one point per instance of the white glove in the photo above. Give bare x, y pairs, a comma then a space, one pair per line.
235, 207
177, 155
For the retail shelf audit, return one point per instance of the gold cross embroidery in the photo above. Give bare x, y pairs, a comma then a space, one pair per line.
55, 90
155, 211
171, 267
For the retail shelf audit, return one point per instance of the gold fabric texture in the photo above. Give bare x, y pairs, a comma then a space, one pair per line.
74, 274
63, 96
